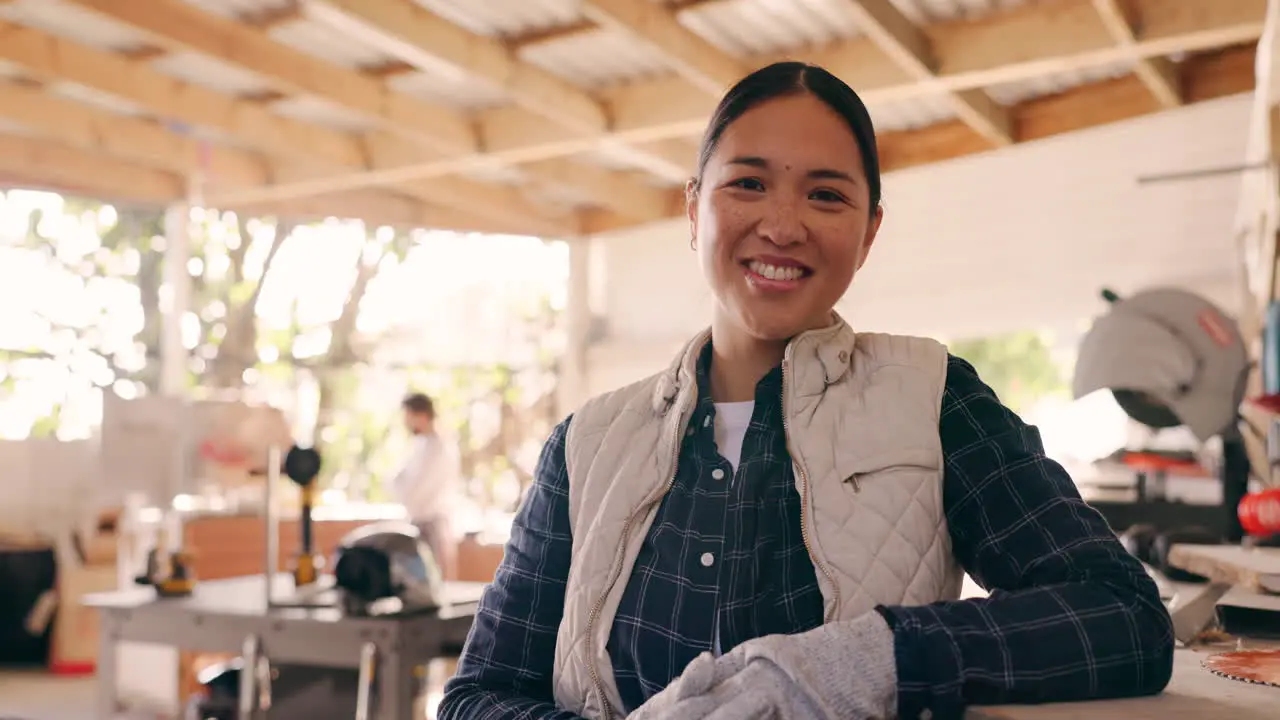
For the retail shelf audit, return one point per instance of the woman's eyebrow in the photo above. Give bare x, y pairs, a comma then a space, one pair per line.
756, 161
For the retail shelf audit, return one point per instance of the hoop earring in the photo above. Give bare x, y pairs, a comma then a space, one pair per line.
693, 243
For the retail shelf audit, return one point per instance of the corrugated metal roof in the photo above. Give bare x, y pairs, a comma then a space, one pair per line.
96, 98
9, 127
321, 112
756, 27
241, 8
596, 58
74, 23
1013, 93
506, 18
9, 70
212, 73
923, 11
350, 50
455, 91
911, 114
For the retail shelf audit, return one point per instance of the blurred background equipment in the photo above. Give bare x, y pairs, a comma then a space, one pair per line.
1171, 358
384, 562
302, 467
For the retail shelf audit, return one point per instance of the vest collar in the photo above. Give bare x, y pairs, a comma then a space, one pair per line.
830, 348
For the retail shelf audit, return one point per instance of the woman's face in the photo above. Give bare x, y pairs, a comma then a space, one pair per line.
781, 217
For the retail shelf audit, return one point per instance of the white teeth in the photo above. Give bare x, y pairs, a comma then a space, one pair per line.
775, 272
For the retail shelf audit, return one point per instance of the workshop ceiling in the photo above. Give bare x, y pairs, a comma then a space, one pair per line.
549, 117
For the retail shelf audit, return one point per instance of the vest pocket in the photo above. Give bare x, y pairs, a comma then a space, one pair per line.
856, 472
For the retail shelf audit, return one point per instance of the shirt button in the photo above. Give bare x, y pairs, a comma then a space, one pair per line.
717, 474
708, 559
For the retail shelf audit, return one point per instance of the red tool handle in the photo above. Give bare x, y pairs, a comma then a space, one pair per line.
1260, 513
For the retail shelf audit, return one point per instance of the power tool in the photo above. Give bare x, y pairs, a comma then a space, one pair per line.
302, 466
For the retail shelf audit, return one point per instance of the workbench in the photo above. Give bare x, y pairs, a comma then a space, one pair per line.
1193, 694
222, 613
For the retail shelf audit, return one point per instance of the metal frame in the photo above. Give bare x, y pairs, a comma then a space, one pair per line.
225, 614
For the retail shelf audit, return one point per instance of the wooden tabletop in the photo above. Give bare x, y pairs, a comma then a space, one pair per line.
1193, 694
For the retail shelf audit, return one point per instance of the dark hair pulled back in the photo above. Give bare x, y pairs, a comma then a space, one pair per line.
793, 78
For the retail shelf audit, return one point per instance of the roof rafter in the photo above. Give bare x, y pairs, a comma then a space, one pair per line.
911, 49
1159, 74
438, 133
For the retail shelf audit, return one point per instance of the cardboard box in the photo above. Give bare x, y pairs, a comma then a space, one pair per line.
74, 644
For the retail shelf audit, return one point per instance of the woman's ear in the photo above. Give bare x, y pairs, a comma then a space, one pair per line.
873, 229
691, 209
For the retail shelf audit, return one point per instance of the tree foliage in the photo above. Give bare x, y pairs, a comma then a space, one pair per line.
1019, 366
501, 413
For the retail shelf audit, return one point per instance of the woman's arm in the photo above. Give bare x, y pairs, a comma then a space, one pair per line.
505, 669
1071, 615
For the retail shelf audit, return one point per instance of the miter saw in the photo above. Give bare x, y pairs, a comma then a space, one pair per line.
1172, 358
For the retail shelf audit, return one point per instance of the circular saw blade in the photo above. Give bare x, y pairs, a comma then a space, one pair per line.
1260, 667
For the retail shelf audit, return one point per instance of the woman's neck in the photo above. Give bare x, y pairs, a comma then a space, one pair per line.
738, 362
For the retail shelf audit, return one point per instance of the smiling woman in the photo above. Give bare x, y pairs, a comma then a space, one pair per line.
778, 524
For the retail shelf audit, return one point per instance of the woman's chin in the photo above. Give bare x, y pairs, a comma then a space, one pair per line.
770, 327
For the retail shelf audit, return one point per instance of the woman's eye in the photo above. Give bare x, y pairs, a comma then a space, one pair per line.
827, 196
748, 184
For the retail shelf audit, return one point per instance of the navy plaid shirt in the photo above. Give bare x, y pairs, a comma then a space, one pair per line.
1071, 615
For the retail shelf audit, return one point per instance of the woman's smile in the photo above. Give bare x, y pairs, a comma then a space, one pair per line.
775, 274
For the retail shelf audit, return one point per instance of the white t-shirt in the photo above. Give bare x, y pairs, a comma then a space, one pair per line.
732, 421
430, 480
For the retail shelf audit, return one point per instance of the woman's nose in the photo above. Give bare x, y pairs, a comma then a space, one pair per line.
782, 224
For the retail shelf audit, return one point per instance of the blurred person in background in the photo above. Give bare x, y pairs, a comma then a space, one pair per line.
427, 485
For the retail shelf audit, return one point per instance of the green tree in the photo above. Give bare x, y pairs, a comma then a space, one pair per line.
1019, 366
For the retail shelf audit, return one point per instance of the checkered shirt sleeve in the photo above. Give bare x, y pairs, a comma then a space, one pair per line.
1071, 615
505, 669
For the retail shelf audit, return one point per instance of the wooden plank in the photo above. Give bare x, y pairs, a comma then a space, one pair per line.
1255, 569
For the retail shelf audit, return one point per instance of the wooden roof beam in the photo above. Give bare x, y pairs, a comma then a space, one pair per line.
52, 59
911, 49
1014, 45
441, 135
31, 162
50, 165
318, 152
426, 40
127, 138
386, 207
1206, 77
179, 25
1159, 74
146, 143
1009, 46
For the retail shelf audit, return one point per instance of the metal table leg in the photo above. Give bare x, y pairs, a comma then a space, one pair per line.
106, 666
364, 689
395, 685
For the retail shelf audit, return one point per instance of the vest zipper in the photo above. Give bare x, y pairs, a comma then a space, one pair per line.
617, 570
804, 492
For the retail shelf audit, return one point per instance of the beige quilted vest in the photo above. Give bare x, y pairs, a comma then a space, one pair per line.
861, 413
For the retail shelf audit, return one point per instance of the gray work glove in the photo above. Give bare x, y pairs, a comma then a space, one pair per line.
841, 671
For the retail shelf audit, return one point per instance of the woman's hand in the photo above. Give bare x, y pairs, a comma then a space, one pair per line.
840, 670
728, 688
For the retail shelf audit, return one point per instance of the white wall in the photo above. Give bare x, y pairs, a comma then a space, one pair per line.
47, 485
1021, 238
